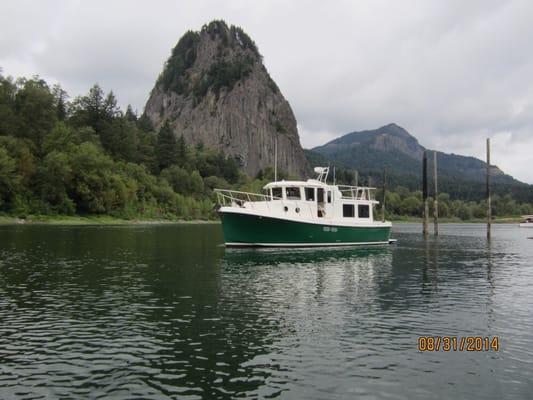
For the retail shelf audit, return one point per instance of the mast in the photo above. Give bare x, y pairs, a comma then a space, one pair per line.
276, 159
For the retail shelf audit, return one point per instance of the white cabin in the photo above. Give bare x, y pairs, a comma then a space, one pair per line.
307, 201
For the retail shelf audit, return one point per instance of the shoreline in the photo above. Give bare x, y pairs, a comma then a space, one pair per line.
503, 220
109, 220
95, 220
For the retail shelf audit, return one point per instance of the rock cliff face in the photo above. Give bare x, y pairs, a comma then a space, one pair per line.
215, 90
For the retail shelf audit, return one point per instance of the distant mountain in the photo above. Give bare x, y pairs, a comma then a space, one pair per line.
391, 146
215, 90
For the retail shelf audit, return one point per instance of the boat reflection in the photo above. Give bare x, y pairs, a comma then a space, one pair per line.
263, 256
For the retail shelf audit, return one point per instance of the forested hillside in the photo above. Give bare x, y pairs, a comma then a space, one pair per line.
393, 148
87, 156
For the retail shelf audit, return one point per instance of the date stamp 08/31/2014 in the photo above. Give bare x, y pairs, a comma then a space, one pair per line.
458, 343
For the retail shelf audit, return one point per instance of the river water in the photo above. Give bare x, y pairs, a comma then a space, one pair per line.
163, 311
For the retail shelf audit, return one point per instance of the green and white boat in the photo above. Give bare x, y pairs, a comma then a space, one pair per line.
302, 214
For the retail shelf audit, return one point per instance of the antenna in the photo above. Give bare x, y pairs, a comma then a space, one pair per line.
334, 175
276, 159
322, 173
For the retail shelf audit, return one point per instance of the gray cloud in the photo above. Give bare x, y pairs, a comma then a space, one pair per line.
450, 72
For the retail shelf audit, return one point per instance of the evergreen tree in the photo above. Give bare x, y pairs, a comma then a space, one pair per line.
144, 123
182, 150
110, 107
167, 149
35, 110
130, 114
7, 106
88, 110
60, 100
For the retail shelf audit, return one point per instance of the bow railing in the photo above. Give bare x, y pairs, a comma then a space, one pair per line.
235, 198
262, 202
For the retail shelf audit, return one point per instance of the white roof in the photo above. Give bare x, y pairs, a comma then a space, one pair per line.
309, 182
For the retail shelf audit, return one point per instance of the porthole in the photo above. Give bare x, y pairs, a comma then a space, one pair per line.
297, 209
285, 208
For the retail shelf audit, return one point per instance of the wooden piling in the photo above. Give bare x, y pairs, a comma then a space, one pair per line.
436, 196
425, 194
489, 205
383, 197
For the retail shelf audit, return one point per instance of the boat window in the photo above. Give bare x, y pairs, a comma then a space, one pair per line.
310, 194
276, 192
348, 210
363, 211
329, 196
293, 193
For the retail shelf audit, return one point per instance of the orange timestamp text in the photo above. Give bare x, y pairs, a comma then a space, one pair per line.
458, 343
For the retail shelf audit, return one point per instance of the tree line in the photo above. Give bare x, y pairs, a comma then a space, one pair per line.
87, 156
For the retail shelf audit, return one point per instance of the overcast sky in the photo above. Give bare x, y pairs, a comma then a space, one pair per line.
450, 72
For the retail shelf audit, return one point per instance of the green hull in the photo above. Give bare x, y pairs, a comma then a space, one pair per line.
252, 230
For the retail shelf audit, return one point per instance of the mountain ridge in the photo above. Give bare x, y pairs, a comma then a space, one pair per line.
394, 147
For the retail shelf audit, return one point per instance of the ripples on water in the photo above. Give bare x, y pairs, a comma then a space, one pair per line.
164, 312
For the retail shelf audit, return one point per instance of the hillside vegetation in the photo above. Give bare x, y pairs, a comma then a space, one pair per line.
87, 156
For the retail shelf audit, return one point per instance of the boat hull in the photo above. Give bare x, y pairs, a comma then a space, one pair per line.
254, 230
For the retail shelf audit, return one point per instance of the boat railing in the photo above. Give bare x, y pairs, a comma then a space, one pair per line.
235, 198
356, 192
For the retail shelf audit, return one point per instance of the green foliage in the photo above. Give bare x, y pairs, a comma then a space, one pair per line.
27, 109
8, 178
280, 128
88, 157
242, 39
182, 58
223, 75
55, 176
8, 118
178, 178
167, 147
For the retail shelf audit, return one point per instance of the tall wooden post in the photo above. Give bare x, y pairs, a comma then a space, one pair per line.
436, 194
489, 205
425, 194
383, 197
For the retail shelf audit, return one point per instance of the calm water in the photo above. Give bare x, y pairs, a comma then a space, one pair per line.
165, 312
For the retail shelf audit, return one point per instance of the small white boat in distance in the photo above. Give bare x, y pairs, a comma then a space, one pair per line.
528, 221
